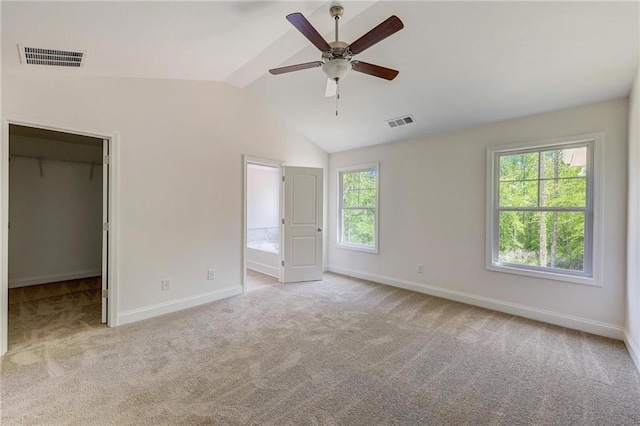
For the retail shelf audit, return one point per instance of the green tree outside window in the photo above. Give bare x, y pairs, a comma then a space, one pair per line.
542, 208
358, 204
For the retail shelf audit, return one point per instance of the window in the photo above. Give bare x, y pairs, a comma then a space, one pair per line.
358, 208
540, 219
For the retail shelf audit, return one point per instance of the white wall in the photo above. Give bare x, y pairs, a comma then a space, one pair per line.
432, 211
633, 226
56, 221
180, 174
263, 197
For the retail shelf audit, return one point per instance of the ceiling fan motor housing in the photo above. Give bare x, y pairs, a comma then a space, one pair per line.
336, 11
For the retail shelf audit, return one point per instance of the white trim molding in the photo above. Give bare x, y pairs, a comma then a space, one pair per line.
633, 348
176, 305
568, 321
264, 269
4, 236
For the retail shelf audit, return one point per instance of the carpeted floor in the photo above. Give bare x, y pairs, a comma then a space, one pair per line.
54, 310
339, 351
257, 280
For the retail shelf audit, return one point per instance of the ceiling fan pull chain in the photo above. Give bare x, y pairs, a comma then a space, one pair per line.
337, 95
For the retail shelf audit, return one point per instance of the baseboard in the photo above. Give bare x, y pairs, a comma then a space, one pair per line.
633, 349
176, 305
568, 321
43, 279
265, 269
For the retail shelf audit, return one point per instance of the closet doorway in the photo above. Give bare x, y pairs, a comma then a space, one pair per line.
58, 237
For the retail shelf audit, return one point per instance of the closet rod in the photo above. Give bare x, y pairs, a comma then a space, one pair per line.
47, 159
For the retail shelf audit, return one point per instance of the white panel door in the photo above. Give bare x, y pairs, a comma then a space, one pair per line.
302, 228
105, 232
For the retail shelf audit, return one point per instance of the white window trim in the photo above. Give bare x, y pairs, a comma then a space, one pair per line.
358, 247
596, 208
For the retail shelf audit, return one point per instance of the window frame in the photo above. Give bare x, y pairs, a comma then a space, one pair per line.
350, 246
592, 209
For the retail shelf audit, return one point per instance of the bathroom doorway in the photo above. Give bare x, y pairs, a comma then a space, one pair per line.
263, 204
283, 217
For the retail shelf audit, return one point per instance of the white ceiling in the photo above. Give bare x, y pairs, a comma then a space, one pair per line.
461, 63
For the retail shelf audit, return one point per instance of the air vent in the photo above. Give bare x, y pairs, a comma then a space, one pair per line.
51, 57
401, 121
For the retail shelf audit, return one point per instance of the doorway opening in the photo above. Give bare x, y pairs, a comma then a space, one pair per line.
283, 217
57, 242
263, 223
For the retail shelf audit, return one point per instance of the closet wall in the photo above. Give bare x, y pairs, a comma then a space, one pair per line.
55, 211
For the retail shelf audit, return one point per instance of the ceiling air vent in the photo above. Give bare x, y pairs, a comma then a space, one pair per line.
52, 57
401, 121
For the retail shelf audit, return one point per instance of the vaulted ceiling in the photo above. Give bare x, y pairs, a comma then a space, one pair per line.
460, 63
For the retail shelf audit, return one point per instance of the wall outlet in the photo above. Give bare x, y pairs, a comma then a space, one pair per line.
166, 284
420, 268
211, 274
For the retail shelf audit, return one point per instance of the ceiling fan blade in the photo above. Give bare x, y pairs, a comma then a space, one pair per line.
374, 70
390, 26
331, 89
307, 30
298, 67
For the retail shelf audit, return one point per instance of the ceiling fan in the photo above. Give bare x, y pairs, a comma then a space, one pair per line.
337, 56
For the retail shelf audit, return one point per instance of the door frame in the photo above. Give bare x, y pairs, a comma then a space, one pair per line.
247, 160
112, 137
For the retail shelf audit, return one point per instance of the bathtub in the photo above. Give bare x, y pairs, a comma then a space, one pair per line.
264, 257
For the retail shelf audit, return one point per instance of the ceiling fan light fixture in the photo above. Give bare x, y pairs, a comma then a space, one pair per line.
336, 69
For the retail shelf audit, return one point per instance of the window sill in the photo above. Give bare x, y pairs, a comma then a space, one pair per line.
364, 249
544, 275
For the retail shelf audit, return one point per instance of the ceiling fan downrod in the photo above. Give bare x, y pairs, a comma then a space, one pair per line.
336, 12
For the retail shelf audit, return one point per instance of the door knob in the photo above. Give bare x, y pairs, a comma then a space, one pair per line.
319, 229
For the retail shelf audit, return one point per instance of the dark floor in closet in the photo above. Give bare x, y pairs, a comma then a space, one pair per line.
54, 310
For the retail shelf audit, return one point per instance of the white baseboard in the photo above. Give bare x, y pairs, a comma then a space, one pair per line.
265, 269
176, 305
633, 349
43, 279
568, 321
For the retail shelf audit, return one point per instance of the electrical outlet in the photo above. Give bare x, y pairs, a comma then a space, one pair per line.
166, 284
420, 268
211, 274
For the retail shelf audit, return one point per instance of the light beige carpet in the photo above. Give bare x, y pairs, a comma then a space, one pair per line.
257, 280
339, 351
